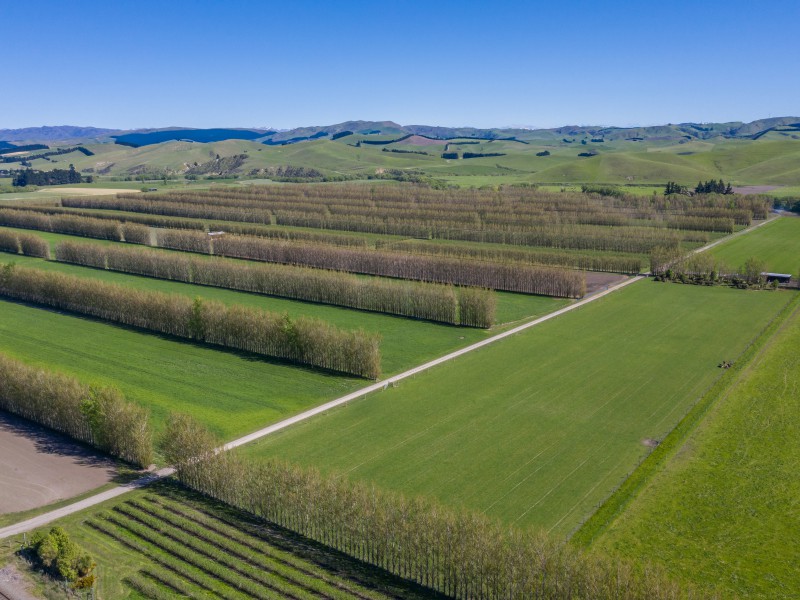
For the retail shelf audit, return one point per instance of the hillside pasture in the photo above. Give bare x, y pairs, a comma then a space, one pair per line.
539, 429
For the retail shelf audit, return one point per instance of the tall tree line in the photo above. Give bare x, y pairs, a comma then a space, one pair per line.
497, 276
435, 302
303, 340
22, 243
456, 552
97, 416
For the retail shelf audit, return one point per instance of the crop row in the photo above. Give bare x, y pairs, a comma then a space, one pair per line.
208, 540
303, 340
248, 572
434, 302
235, 529
111, 526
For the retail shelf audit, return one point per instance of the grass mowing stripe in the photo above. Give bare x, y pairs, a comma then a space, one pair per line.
498, 429
180, 552
632, 485
129, 539
237, 549
253, 541
212, 551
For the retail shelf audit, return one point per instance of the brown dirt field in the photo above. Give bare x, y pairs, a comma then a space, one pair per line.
599, 281
417, 140
755, 189
39, 467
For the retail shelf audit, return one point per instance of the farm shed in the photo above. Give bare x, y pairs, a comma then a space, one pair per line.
779, 277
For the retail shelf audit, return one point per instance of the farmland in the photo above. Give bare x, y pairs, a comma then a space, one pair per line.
777, 244
165, 542
722, 511
540, 429
241, 306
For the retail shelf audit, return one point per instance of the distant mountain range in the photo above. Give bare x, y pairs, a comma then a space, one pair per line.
144, 137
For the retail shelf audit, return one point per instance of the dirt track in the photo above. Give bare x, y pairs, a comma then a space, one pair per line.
38, 467
88, 191
755, 189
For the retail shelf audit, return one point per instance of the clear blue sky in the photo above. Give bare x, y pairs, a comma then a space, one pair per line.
137, 64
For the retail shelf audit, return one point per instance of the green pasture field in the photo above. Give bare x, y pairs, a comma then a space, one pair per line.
397, 331
723, 512
539, 429
776, 243
164, 512
232, 393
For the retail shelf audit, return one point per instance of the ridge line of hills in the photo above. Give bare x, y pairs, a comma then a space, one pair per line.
143, 137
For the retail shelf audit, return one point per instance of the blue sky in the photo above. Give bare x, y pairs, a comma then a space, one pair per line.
137, 64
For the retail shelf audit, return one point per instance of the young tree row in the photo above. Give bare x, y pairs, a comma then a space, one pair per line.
303, 340
620, 263
104, 229
97, 416
497, 276
504, 200
22, 243
434, 302
458, 553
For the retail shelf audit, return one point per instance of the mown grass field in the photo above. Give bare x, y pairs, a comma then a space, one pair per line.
230, 392
539, 429
723, 511
165, 543
776, 243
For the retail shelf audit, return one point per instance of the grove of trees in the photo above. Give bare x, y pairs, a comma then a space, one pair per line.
54, 177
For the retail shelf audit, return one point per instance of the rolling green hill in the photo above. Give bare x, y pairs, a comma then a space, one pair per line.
764, 152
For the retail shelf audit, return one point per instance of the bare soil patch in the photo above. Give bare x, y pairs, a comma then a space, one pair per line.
755, 189
418, 140
13, 585
596, 282
39, 467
